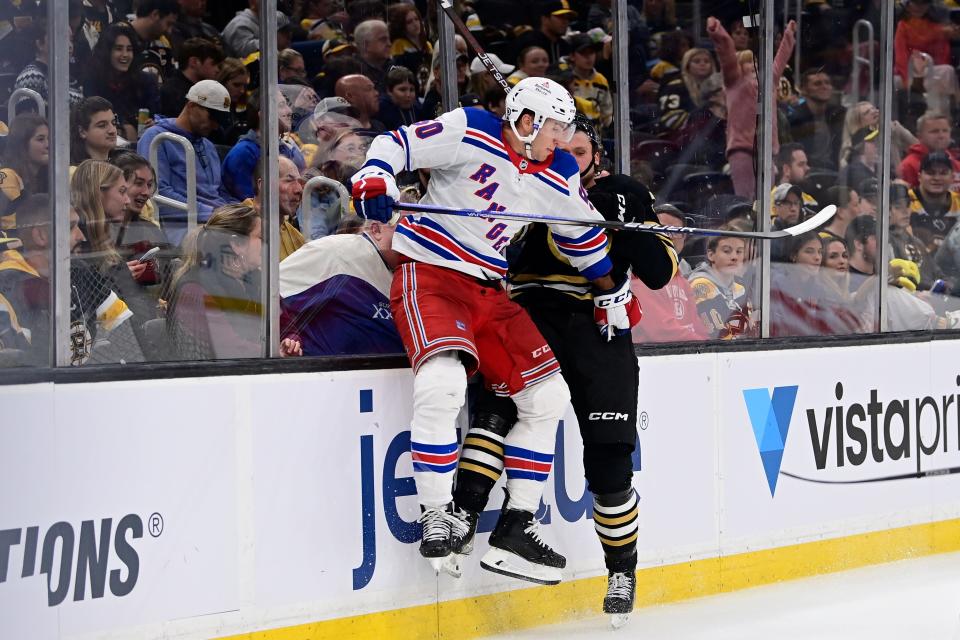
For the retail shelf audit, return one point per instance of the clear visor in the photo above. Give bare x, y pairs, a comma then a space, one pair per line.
560, 131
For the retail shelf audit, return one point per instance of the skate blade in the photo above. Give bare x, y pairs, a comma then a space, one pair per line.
619, 620
452, 565
510, 564
437, 563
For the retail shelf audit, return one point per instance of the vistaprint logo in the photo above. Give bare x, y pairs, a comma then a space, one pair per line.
863, 433
770, 415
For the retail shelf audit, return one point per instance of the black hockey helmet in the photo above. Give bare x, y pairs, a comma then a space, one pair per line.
584, 124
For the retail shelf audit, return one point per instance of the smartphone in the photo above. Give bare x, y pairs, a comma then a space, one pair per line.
148, 255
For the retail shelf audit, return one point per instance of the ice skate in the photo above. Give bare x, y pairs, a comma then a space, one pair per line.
463, 526
621, 591
435, 543
516, 550
463, 544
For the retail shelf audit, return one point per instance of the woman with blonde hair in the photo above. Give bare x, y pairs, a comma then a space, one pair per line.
864, 115
98, 193
696, 66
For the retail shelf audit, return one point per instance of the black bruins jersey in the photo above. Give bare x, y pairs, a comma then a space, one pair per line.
540, 275
674, 102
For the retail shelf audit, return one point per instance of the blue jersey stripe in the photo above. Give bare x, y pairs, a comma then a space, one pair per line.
598, 269
406, 147
427, 222
485, 121
433, 448
433, 468
380, 164
579, 253
526, 475
585, 237
552, 184
427, 244
481, 145
518, 452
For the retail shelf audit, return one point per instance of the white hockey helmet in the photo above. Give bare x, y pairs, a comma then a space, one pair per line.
548, 101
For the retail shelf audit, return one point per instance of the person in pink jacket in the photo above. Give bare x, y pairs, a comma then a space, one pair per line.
741, 85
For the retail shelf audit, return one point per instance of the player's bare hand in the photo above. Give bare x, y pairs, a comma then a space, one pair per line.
290, 347
712, 24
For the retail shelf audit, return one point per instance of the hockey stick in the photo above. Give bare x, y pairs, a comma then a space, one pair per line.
447, 6
930, 473
808, 225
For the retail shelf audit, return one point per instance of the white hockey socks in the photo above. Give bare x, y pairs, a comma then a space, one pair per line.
439, 390
528, 448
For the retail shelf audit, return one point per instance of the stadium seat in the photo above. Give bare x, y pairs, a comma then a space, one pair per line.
223, 150
7, 80
673, 180
817, 182
698, 188
658, 153
312, 52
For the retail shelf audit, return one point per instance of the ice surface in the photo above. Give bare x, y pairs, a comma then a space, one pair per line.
907, 600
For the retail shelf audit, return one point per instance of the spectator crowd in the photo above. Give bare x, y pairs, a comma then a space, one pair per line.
179, 80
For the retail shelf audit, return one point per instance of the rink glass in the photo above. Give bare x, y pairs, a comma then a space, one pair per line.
694, 173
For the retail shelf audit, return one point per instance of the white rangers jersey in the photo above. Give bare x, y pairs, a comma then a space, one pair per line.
474, 169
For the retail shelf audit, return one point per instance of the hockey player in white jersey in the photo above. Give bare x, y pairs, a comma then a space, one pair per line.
453, 313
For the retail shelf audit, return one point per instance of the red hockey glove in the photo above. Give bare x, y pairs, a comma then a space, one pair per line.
373, 197
616, 310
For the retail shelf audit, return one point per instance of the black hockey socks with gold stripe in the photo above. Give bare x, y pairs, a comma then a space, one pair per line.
481, 459
615, 518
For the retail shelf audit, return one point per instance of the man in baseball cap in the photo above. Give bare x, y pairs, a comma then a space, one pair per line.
555, 19
337, 47
788, 210
787, 204
934, 206
214, 97
207, 108
559, 8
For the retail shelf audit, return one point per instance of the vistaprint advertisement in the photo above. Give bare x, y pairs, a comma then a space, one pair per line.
828, 438
217, 506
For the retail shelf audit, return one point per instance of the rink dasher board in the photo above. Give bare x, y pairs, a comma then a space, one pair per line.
214, 507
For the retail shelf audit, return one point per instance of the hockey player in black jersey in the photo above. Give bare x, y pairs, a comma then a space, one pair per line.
601, 372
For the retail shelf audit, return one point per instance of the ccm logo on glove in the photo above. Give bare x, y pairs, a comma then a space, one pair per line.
616, 310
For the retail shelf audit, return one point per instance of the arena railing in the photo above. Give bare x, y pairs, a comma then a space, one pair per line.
859, 61
308, 211
23, 93
190, 206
